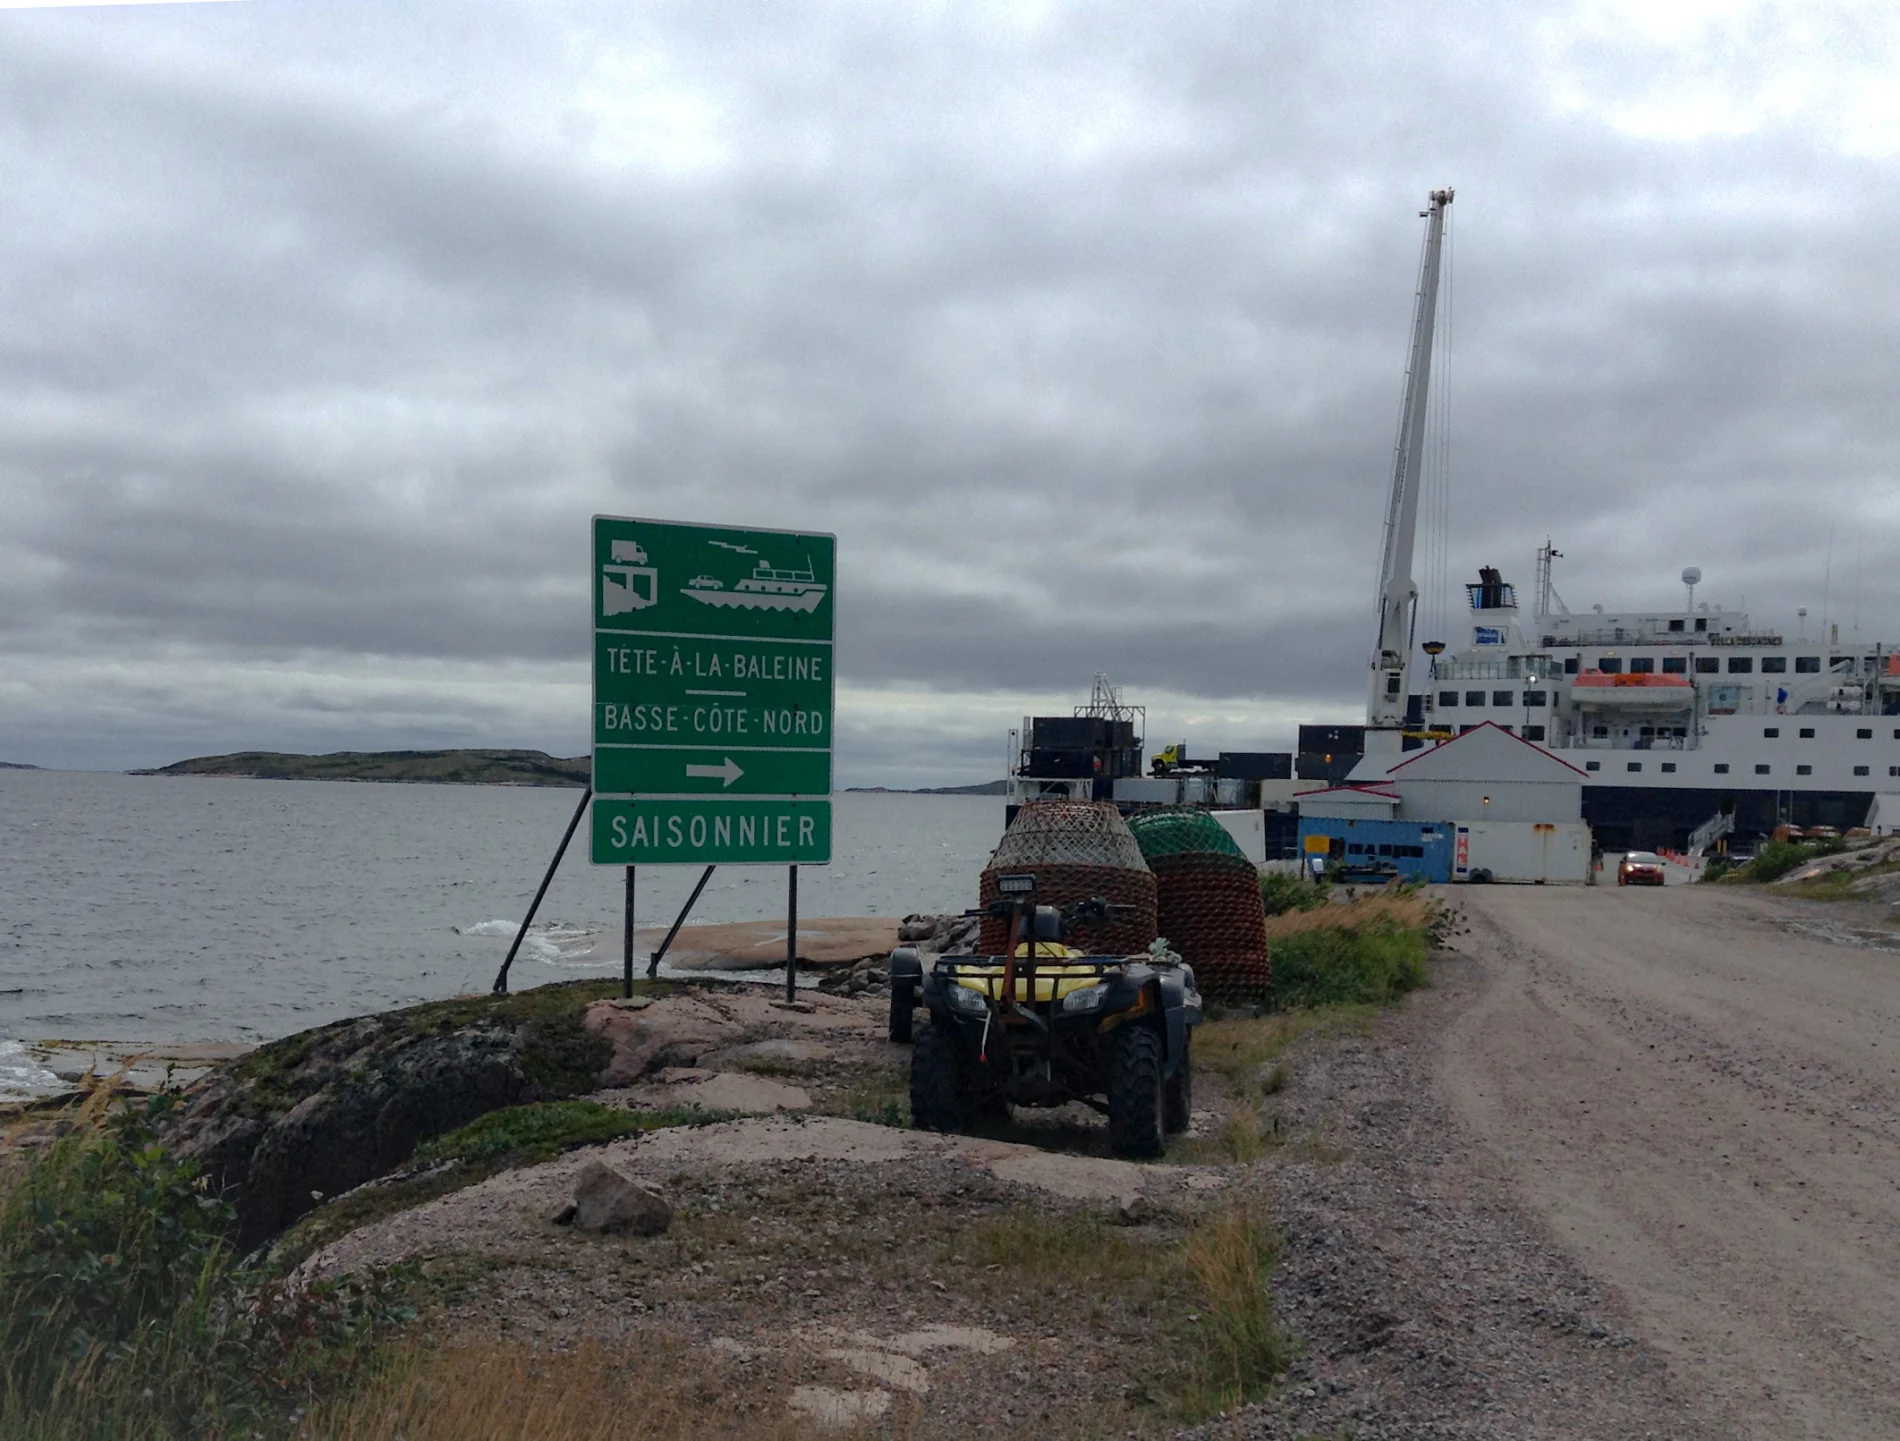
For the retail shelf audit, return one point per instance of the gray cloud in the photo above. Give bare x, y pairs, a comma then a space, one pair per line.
326, 329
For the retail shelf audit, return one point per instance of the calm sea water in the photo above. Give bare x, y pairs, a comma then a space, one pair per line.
175, 909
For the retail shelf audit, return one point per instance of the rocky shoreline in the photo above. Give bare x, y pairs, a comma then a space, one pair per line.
763, 1203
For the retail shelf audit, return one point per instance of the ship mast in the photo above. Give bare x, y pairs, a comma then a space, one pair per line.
1398, 594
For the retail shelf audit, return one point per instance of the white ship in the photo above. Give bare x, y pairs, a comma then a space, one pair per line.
1680, 719
767, 588
1686, 724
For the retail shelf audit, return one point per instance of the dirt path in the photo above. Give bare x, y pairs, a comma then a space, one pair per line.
1699, 1100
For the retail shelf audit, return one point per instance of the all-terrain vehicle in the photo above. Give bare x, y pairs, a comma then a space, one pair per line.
1043, 1025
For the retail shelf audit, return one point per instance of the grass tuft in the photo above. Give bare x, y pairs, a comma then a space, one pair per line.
490, 1391
1373, 962
1281, 894
1241, 1348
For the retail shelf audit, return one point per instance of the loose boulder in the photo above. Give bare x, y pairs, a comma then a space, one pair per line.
606, 1200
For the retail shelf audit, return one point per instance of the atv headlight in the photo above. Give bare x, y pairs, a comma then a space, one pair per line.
1089, 998
962, 998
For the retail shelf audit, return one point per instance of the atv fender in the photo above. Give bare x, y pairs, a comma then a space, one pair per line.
1181, 1011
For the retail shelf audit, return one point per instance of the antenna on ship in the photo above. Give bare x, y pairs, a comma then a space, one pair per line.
1547, 592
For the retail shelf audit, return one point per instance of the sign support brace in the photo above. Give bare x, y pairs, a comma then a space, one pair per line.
501, 977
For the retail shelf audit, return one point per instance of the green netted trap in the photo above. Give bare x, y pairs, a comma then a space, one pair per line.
1181, 832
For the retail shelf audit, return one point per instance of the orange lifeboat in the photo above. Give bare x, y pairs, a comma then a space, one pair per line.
1615, 691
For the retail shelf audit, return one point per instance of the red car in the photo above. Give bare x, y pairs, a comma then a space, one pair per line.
1640, 868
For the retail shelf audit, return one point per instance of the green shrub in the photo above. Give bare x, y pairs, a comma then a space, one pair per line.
1715, 868
1776, 858
1282, 893
123, 1311
1334, 966
533, 1132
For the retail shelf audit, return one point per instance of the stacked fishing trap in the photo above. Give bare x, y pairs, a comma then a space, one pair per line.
1077, 851
1207, 901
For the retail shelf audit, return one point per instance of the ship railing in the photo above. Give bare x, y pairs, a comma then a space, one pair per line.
1621, 743
1511, 668
1623, 636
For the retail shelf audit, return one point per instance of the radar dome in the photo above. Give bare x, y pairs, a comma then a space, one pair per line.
1692, 576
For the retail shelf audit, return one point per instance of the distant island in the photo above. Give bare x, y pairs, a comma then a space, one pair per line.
460, 767
16, 766
981, 788
464, 767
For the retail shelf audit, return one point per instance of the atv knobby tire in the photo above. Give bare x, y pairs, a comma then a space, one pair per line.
1177, 1097
903, 1003
1134, 1093
936, 1084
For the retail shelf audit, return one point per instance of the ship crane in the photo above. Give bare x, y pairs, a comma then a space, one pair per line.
1398, 593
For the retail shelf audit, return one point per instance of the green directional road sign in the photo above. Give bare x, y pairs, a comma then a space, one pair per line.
712, 684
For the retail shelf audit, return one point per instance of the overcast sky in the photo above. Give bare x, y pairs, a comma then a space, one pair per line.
325, 327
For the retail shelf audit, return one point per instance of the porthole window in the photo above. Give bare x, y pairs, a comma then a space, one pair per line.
1771, 732
1807, 733
1804, 770
1863, 770
1669, 765
1864, 734
1633, 766
1761, 770
1721, 768
1593, 765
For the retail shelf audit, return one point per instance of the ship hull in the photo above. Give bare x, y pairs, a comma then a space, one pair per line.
753, 600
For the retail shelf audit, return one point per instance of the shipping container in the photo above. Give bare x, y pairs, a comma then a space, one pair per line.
1364, 849
1329, 768
1343, 740
1133, 790
1255, 765
1521, 852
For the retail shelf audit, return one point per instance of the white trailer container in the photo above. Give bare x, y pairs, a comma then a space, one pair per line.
1249, 830
1522, 852
1162, 791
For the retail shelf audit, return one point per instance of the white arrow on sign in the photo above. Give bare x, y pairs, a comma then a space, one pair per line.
730, 770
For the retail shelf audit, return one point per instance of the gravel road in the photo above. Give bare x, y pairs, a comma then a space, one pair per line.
1695, 1094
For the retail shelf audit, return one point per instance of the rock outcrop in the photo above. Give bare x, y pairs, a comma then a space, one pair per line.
675, 1031
319, 1113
